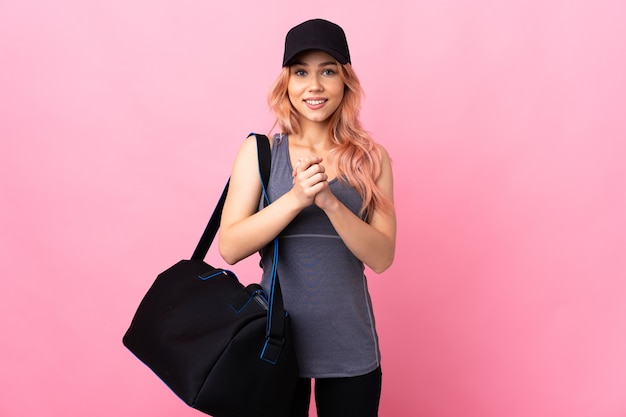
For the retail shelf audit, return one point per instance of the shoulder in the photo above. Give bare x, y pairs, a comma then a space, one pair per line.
248, 145
275, 139
385, 173
248, 149
382, 151
246, 156
385, 159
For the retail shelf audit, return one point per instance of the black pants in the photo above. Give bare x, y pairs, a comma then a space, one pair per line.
340, 397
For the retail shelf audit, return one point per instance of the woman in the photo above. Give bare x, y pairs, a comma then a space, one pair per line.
331, 193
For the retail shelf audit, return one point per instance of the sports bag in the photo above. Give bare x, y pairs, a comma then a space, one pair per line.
223, 348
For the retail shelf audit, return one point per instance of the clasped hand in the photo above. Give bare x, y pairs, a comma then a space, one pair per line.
310, 182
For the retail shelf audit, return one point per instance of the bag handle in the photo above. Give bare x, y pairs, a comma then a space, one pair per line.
275, 331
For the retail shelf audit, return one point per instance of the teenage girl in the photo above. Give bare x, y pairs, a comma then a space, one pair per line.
331, 193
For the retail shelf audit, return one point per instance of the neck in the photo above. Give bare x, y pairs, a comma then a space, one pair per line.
315, 135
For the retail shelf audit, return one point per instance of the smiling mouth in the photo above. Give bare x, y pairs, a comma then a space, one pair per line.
315, 102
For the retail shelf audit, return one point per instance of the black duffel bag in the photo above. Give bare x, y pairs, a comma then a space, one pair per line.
223, 348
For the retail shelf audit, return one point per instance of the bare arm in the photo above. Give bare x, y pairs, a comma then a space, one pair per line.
243, 230
373, 243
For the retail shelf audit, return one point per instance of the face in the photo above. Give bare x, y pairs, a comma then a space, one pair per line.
315, 87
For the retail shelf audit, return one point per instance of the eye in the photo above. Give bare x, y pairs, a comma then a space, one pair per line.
328, 72
300, 72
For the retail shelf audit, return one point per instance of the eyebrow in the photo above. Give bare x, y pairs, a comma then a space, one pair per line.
323, 64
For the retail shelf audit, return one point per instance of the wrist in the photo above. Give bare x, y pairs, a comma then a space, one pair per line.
331, 205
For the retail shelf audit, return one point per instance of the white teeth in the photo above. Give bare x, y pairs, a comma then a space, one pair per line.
314, 102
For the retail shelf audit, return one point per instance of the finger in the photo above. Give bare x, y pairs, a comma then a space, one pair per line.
294, 172
314, 169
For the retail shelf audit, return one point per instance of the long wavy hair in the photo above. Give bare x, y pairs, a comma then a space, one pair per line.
356, 156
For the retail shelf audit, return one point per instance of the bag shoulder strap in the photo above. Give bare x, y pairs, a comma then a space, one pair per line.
275, 330
264, 158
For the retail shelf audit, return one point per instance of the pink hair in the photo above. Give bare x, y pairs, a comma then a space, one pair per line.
356, 155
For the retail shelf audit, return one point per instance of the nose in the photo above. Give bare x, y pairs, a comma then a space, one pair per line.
316, 84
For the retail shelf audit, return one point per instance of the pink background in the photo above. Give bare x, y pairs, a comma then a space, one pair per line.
119, 121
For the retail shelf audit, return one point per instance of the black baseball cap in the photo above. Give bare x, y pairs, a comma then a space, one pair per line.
317, 34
